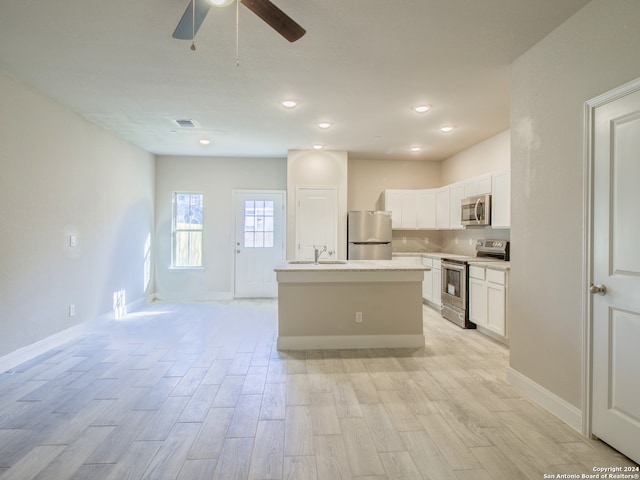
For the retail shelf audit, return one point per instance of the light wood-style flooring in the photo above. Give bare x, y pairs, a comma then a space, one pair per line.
198, 391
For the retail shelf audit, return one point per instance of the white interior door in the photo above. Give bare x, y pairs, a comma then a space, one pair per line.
259, 242
316, 221
616, 267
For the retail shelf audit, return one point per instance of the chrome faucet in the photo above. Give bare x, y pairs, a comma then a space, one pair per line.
317, 251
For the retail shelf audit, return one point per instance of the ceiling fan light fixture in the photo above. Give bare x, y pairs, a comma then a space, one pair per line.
220, 3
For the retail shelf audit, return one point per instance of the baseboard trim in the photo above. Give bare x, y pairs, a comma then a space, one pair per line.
334, 342
562, 409
30, 352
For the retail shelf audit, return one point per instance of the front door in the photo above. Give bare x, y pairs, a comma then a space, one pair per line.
259, 242
616, 272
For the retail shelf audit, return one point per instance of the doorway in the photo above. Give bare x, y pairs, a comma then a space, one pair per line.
259, 242
612, 330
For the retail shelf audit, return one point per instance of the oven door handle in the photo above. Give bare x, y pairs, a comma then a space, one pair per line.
453, 266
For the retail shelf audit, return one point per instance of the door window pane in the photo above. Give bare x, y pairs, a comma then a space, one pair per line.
258, 224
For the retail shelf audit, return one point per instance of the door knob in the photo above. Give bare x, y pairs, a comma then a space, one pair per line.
238, 251
598, 289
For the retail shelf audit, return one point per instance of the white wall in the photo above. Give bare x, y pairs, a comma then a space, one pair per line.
317, 168
216, 178
591, 53
62, 175
487, 156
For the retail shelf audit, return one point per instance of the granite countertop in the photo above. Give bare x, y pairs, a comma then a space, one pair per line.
351, 266
494, 265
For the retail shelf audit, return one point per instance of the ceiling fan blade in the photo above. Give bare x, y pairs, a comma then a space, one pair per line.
276, 18
186, 27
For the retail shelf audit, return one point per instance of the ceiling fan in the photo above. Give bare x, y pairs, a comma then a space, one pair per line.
196, 12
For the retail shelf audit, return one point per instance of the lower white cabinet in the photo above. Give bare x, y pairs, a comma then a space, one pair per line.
432, 281
436, 271
488, 299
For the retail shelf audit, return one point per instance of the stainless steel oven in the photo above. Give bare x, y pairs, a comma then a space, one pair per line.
454, 291
455, 278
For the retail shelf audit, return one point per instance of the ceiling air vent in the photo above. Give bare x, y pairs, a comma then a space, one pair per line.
186, 123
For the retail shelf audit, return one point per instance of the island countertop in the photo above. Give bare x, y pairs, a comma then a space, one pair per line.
350, 266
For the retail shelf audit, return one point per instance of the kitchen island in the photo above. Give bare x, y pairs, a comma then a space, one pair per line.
354, 304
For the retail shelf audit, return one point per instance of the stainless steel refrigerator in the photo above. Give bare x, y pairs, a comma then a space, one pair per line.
369, 235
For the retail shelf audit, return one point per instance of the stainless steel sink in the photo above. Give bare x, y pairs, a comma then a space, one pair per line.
321, 262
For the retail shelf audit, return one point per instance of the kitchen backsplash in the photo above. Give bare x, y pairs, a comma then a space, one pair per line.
462, 242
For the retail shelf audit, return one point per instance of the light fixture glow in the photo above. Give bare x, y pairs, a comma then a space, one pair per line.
446, 129
205, 141
289, 103
422, 108
416, 149
220, 3
324, 125
317, 146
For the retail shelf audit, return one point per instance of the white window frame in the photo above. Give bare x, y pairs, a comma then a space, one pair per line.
175, 230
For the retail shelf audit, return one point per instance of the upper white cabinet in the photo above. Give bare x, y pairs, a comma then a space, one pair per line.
501, 199
477, 186
426, 209
442, 208
403, 208
439, 208
456, 195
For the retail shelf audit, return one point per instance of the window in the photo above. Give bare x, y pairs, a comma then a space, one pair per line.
258, 223
187, 230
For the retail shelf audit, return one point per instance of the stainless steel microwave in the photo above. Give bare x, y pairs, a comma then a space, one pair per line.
476, 211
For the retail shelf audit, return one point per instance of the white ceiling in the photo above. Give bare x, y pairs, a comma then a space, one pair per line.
363, 65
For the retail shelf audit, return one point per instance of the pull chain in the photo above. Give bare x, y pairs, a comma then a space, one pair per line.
237, 33
193, 26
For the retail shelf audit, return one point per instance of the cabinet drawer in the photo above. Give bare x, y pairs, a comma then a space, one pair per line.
476, 272
495, 276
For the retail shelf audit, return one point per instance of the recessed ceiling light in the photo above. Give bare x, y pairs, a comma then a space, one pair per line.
205, 141
416, 149
422, 108
317, 146
446, 128
289, 103
324, 125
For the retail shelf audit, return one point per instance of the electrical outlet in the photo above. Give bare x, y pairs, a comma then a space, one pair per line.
471, 242
404, 239
358, 317
73, 241
426, 240
72, 310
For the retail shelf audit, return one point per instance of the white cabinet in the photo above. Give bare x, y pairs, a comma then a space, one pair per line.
436, 277
477, 296
426, 209
393, 203
442, 208
403, 207
427, 283
501, 199
456, 195
477, 186
432, 282
488, 299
